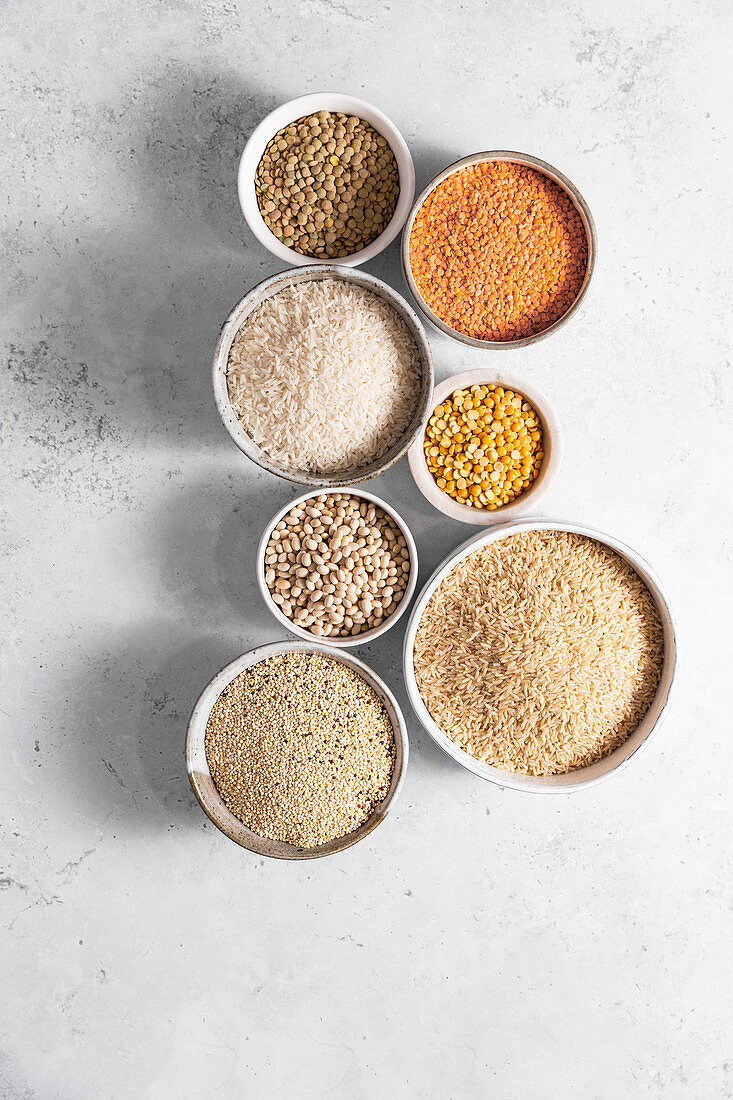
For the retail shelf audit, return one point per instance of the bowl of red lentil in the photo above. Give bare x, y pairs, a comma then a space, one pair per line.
491, 448
326, 177
295, 751
499, 250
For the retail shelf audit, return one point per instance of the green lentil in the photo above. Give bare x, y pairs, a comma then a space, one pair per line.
323, 163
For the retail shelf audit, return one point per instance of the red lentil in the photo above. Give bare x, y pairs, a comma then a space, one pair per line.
498, 251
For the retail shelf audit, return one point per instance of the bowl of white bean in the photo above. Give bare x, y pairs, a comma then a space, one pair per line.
338, 567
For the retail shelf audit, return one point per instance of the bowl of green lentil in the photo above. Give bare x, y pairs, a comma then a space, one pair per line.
295, 751
326, 177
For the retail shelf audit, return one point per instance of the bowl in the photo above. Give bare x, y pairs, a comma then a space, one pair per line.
562, 181
213, 804
290, 112
273, 285
349, 640
621, 757
552, 440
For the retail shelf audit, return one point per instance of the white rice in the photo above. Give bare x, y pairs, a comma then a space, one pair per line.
324, 376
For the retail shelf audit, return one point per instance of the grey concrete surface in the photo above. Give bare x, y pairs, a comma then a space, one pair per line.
480, 943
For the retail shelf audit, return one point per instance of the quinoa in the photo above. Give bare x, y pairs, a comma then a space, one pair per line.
300, 748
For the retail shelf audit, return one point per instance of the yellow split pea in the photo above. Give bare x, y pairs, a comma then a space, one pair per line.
483, 446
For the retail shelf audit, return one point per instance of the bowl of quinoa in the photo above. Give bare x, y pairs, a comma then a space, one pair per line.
499, 249
295, 751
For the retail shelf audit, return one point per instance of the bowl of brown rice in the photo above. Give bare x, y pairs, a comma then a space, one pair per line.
541, 654
295, 751
323, 375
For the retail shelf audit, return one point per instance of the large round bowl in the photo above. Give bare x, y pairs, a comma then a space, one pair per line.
620, 757
551, 440
291, 112
273, 285
578, 202
348, 640
213, 804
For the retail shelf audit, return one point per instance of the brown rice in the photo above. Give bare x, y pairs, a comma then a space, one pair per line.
539, 653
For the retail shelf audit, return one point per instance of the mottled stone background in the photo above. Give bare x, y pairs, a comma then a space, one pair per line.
481, 943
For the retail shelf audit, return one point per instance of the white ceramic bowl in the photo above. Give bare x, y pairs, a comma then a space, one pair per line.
581, 777
578, 202
349, 640
259, 294
299, 108
211, 801
552, 440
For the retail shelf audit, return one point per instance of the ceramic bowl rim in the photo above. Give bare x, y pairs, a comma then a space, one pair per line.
578, 201
292, 110
620, 758
552, 441
375, 631
200, 777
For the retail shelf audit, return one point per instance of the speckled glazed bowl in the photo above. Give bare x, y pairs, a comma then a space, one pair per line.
265, 290
552, 445
211, 801
621, 757
578, 202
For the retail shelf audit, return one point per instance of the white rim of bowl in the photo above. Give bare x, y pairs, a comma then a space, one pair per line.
290, 112
213, 804
552, 441
366, 635
573, 194
621, 757
280, 281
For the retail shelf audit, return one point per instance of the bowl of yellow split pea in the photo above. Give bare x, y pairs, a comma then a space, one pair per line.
491, 448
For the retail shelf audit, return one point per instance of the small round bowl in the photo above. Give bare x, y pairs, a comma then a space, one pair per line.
213, 804
273, 285
291, 112
616, 761
578, 202
552, 441
349, 640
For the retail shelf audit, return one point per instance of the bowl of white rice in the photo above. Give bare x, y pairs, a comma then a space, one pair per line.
541, 655
323, 375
